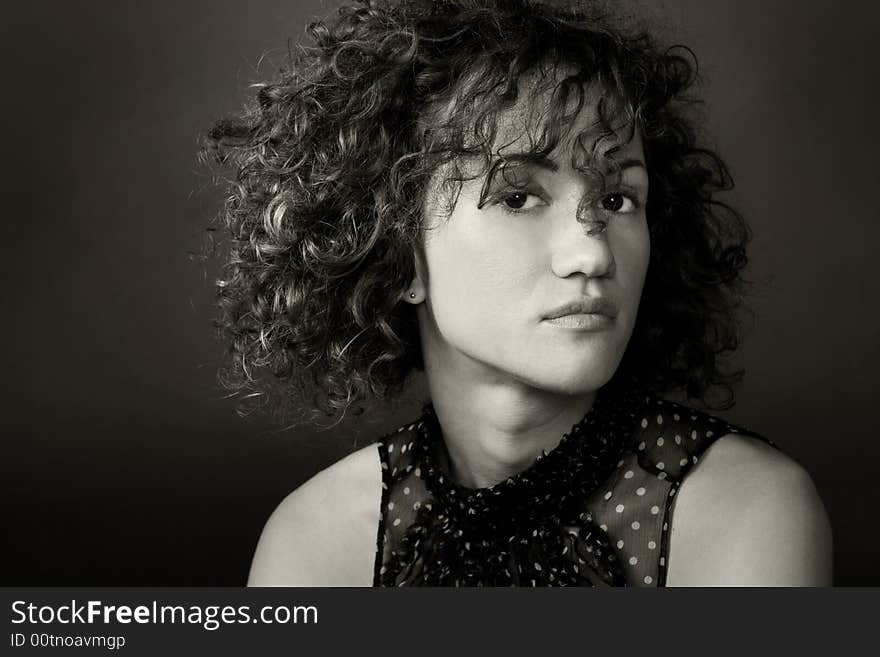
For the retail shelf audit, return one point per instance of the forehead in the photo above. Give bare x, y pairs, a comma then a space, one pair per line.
557, 115
565, 118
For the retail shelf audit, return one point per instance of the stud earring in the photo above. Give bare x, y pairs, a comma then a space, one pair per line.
412, 295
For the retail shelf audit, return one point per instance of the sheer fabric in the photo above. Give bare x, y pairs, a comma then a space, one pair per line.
594, 511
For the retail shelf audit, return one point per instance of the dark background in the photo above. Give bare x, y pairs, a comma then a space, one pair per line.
124, 464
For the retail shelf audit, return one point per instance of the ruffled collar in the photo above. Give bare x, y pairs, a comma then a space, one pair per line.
544, 488
530, 528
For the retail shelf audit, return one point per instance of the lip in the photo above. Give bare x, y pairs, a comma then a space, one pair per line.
598, 307
583, 321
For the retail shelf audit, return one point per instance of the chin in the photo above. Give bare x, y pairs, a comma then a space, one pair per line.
568, 379
582, 385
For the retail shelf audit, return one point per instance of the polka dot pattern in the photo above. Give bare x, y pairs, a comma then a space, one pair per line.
594, 510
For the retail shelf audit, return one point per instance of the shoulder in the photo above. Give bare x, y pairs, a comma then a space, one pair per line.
324, 533
748, 515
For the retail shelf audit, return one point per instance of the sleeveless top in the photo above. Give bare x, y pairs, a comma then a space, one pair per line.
593, 511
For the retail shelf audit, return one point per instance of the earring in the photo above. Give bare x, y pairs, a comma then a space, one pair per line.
412, 295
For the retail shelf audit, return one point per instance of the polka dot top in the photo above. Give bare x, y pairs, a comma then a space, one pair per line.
593, 511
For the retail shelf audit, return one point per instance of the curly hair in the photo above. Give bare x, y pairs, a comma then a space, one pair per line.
332, 162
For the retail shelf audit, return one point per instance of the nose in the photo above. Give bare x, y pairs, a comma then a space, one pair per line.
582, 246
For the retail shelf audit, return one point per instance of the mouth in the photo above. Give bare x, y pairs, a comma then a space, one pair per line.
598, 307
583, 321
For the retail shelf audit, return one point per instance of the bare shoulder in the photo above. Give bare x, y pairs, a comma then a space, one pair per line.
324, 532
748, 515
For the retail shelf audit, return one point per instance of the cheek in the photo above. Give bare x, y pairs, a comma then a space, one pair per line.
474, 263
632, 251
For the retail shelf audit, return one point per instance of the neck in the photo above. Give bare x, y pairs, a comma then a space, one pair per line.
494, 426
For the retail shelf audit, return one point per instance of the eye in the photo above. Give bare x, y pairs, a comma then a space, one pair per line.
618, 202
519, 201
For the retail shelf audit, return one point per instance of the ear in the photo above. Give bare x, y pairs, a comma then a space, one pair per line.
418, 289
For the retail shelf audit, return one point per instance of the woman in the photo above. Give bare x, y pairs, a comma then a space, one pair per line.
510, 197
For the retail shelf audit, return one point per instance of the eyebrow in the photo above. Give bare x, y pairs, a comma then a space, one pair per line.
536, 159
631, 163
544, 162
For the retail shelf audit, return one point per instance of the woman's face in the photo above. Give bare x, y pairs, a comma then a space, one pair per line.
541, 281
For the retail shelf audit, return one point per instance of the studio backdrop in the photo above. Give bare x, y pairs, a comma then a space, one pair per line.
124, 462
